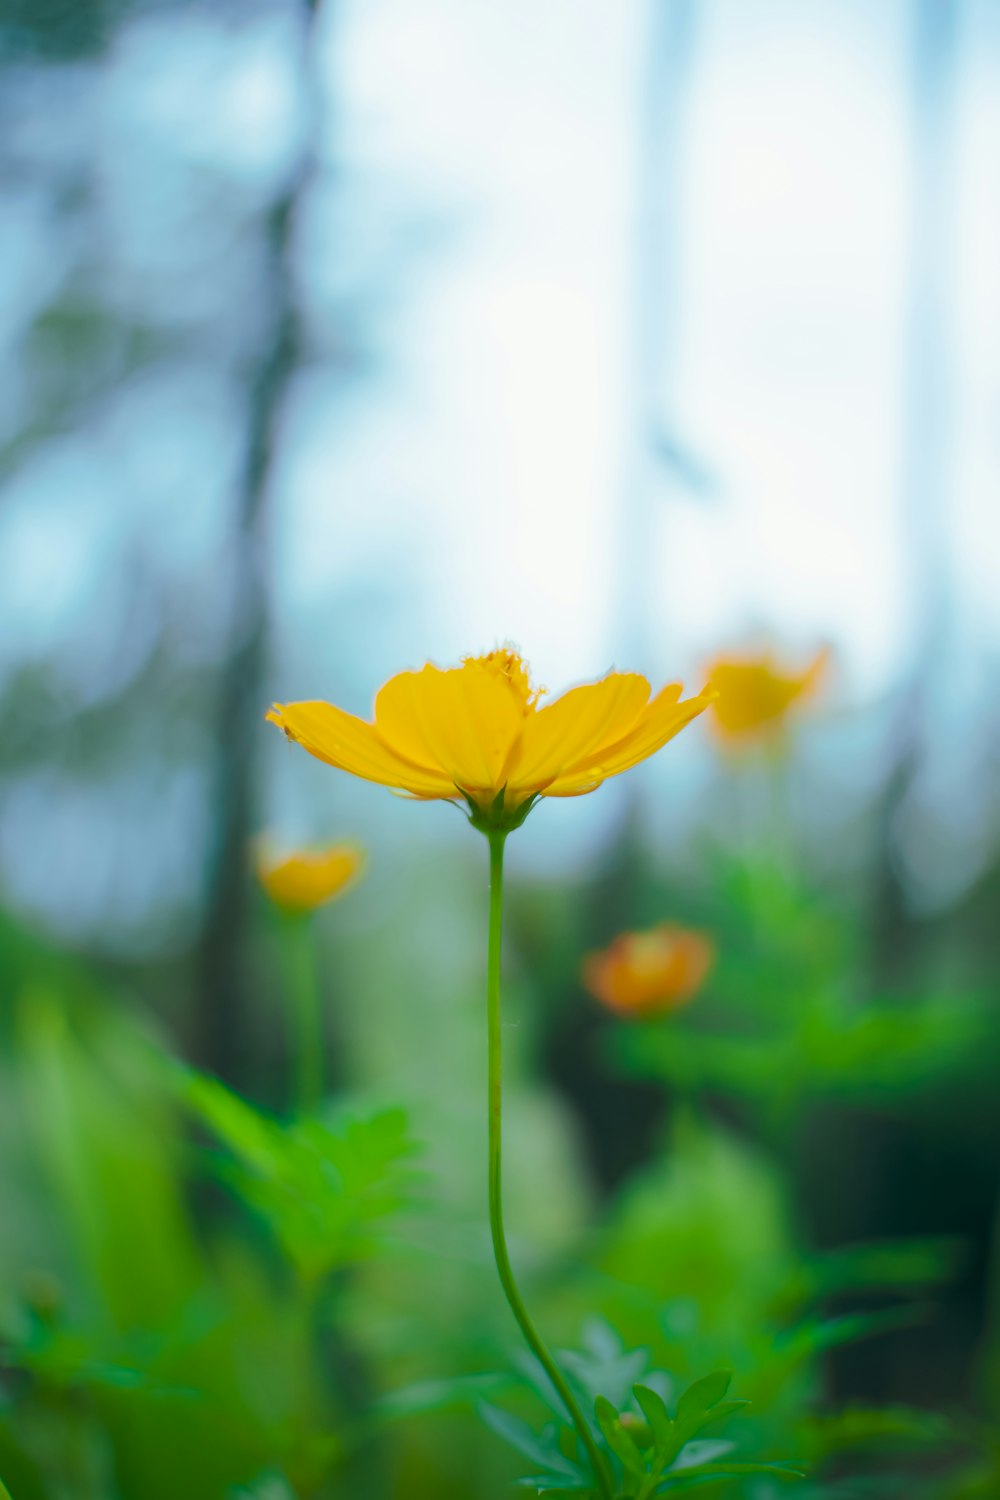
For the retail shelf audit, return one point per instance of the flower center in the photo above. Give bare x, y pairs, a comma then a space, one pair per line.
649, 954
506, 663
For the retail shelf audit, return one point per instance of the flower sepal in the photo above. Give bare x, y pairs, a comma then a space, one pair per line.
495, 816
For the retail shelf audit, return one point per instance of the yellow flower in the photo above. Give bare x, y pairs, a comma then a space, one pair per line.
644, 974
477, 732
303, 879
756, 694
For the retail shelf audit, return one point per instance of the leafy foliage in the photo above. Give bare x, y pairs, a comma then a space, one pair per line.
321, 1189
788, 1019
649, 1451
146, 1362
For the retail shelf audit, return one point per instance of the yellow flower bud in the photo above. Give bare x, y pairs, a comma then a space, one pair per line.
757, 694
301, 880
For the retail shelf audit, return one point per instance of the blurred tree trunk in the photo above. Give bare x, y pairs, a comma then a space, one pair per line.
654, 462
927, 391
223, 966
653, 459
619, 1119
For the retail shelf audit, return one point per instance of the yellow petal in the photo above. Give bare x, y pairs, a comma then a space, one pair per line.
461, 722
575, 727
663, 718
347, 742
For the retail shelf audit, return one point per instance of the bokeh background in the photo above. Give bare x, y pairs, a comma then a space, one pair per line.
338, 338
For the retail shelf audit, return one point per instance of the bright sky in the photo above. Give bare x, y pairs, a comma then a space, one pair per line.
482, 472
497, 471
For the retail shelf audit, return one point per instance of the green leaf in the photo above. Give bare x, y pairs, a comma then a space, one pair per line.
266, 1487
425, 1396
251, 1135
617, 1439
903, 1265
542, 1485
539, 1382
722, 1411
727, 1470
540, 1449
812, 1337
693, 1455
654, 1409
700, 1397
321, 1190
606, 1373
106, 1135
886, 1426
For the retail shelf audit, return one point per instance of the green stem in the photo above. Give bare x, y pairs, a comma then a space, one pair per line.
517, 1307
303, 983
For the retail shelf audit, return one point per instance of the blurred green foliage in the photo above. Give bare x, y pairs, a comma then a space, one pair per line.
788, 1022
201, 1299
204, 1298
321, 1191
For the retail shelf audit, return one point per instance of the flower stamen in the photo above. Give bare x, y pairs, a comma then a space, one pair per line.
507, 663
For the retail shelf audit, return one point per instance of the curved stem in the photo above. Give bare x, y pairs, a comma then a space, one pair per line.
517, 1307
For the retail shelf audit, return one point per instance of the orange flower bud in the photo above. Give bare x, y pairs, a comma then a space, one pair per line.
645, 974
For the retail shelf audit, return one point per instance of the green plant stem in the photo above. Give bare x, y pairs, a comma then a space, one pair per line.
303, 984
532, 1338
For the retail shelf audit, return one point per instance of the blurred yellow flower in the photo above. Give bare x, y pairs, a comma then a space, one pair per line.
477, 732
300, 880
756, 693
644, 974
